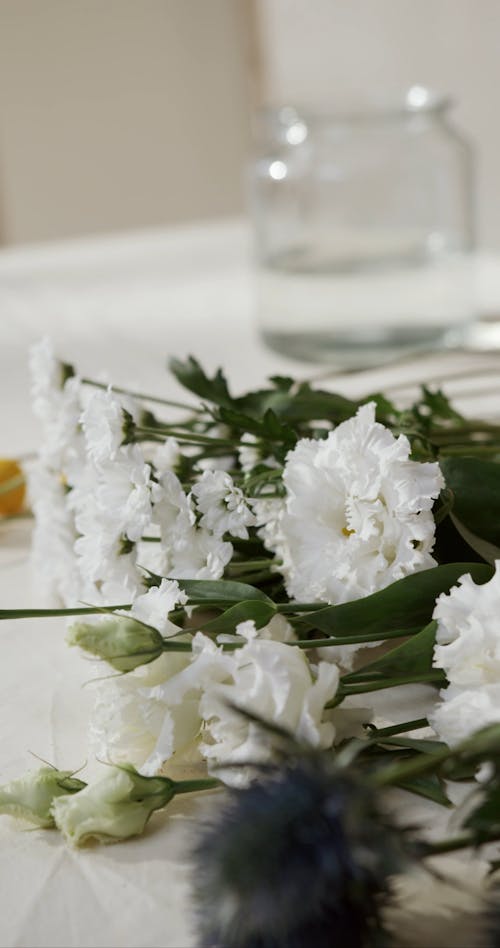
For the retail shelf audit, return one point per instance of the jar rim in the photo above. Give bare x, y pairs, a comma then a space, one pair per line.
418, 100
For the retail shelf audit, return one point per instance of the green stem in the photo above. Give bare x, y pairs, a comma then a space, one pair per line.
46, 613
442, 846
399, 728
469, 427
348, 639
470, 448
190, 438
291, 607
244, 566
191, 786
143, 397
346, 690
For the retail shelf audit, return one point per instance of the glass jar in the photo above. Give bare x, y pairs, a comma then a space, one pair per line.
364, 232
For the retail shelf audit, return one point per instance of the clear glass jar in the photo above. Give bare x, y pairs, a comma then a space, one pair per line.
364, 228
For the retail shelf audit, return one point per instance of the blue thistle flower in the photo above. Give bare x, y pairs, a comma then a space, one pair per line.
302, 857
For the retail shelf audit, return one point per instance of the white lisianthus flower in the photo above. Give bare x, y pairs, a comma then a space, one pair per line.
141, 719
468, 638
468, 650
358, 512
223, 506
277, 629
275, 681
153, 606
105, 425
463, 711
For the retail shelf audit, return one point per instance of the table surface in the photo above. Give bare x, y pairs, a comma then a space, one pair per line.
119, 307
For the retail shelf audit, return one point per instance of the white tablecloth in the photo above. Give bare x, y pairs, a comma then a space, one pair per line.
121, 306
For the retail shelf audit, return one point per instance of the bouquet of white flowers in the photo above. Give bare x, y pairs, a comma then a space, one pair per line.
236, 558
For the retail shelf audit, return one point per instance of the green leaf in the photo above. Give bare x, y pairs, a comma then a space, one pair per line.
412, 657
489, 552
422, 745
219, 592
428, 786
311, 404
191, 376
476, 487
406, 605
486, 817
439, 404
269, 428
260, 612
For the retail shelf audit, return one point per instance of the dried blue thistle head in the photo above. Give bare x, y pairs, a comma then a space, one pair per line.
302, 857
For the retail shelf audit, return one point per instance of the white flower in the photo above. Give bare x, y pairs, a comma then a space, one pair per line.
47, 375
159, 712
468, 649
269, 512
53, 536
136, 719
198, 554
125, 493
222, 505
277, 629
275, 681
468, 632
358, 512
154, 606
57, 405
105, 425
186, 551
462, 711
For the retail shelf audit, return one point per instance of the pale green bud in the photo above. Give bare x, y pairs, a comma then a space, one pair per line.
31, 797
114, 808
123, 643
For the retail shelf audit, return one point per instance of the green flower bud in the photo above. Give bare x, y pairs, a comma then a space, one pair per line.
123, 643
114, 808
31, 797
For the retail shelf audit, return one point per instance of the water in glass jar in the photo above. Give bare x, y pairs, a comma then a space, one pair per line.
364, 309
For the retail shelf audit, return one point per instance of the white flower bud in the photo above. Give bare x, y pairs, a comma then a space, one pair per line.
31, 797
123, 643
114, 808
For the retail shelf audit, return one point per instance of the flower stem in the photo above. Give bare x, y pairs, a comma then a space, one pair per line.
161, 431
46, 613
345, 689
348, 639
191, 786
399, 728
144, 397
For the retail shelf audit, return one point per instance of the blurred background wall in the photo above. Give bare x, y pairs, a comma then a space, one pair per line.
119, 114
